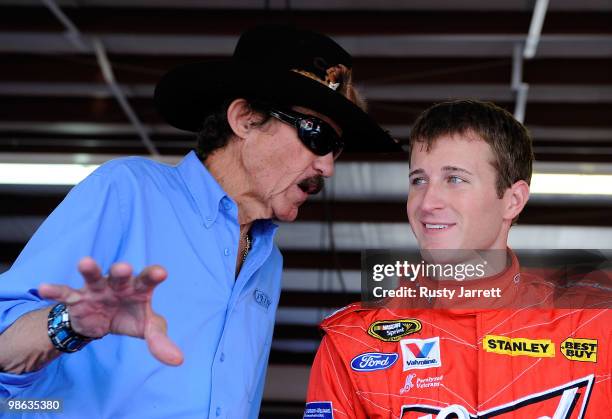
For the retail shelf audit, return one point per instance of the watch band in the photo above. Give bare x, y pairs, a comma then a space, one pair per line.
60, 331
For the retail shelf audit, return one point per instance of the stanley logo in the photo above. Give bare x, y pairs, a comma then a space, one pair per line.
538, 348
576, 349
393, 330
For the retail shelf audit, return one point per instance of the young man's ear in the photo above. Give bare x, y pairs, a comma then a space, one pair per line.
518, 195
240, 117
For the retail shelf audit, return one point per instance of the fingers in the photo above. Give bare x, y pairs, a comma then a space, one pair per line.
119, 277
92, 274
160, 344
150, 277
61, 293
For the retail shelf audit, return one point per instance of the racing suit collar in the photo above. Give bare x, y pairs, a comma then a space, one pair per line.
505, 290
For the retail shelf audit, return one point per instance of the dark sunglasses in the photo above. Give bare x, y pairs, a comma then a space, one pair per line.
317, 135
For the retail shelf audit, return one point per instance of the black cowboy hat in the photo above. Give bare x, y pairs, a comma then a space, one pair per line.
277, 64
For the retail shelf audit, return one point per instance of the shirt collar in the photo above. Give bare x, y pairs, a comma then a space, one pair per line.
508, 282
207, 194
204, 188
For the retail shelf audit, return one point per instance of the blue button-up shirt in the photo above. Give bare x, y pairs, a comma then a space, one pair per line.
142, 212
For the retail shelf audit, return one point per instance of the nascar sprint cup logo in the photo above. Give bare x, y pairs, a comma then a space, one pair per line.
393, 330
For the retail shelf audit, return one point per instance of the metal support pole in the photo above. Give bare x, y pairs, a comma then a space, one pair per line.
521, 89
535, 29
526, 52
76, 38
72, 33
109, 77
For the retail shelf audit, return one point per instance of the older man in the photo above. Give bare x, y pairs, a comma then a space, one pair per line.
183, 257
451, 356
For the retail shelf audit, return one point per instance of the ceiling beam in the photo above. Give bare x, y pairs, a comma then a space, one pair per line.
388, 112
384, 92
302, 5
147, 69
372, 45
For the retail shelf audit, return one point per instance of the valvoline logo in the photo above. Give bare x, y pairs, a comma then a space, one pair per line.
421, 353
373, 361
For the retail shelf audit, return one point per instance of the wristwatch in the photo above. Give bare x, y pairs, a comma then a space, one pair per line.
60, 331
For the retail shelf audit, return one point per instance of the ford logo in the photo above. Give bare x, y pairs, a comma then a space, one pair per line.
373, 361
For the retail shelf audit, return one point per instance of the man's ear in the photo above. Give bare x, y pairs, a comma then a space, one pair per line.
239, 117
518, 195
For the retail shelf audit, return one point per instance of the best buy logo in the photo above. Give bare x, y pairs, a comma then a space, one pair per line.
576, 349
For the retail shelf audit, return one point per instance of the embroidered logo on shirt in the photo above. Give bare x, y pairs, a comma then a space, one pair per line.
407, 384
373, 361
320, 410
420, 382
576, 349
537, 348
393, 330
262, 298
421, 353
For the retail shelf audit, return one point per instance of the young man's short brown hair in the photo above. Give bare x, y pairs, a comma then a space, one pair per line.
508, 138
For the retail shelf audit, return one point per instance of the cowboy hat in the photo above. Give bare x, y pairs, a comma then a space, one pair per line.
281, 65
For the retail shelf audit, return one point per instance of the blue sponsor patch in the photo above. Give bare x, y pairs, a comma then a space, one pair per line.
262, 298
373, 361
321, 410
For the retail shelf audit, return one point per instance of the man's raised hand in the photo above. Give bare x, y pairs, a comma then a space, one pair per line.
119, 303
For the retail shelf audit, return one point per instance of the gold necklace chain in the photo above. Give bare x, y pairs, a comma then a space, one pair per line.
247, 247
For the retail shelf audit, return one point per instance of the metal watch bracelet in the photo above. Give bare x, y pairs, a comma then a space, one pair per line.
60, 331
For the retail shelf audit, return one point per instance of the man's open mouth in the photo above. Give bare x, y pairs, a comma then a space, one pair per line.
312, 185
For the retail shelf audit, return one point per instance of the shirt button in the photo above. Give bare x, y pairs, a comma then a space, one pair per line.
208, 218
218, 411
222, 357
227, 205
226, 251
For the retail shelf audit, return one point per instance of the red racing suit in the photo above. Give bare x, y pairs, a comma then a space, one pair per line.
473, 363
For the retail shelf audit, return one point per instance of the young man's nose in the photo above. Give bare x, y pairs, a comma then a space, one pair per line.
433, 197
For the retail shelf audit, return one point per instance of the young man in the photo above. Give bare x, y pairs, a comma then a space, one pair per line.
270, 121
470, 169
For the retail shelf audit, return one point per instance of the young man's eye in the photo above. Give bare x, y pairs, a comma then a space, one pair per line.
417, 181
455, 179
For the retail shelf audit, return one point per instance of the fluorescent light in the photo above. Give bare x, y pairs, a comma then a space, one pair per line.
571, 184
44, 174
